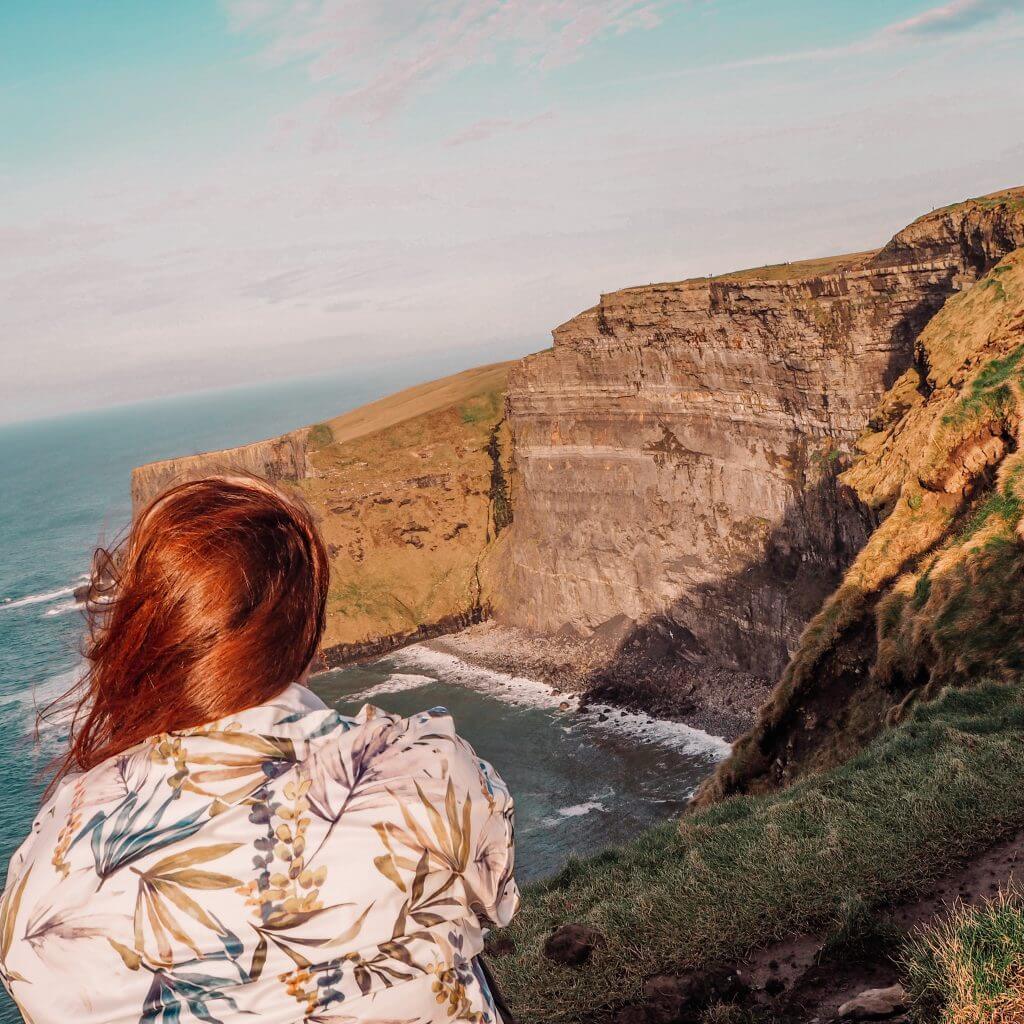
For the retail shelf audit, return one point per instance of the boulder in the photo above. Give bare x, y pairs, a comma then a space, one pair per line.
571, 944
874, 1004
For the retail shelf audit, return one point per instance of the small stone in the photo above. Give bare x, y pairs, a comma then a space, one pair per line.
875, 1004
572, 944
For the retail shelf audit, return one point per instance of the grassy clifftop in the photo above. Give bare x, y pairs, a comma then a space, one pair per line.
833, 849
411, 492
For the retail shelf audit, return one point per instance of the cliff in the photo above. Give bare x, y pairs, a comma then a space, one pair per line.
277, 458
409, 491
677, 465
678, 452
934, 597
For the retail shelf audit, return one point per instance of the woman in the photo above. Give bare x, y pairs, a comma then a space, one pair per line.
218, 845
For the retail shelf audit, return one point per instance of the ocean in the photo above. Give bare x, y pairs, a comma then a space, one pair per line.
581, 780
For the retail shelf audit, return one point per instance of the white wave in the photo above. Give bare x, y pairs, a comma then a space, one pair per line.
20, 602
450, 669
578, 810
27, 704
644, 728
638, 726
397, 682
573, 811
62, 609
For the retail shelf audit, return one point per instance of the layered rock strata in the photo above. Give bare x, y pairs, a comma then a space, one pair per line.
677, 451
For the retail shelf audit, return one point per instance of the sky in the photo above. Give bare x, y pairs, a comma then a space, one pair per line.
200, 194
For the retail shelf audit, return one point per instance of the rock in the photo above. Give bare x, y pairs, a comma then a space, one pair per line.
682, 999
635, 1014
666, 997
572, 944
874, 1004
678, 449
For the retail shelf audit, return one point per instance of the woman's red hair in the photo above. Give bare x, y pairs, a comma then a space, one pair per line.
213, 602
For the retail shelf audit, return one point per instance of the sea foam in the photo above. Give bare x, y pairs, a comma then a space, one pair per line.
21, 602
641, 727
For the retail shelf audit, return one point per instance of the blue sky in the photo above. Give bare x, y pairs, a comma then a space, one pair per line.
202, 193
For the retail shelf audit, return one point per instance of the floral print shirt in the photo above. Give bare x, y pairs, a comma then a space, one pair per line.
285, 864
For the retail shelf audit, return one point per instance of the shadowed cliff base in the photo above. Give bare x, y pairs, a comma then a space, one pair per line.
716, 681
725, 675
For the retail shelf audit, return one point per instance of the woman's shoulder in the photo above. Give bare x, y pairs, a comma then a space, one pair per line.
424, 749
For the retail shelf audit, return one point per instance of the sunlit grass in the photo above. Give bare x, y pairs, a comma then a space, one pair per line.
969, 968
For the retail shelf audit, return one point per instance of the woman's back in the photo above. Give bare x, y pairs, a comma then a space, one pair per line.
285, 861
217, 844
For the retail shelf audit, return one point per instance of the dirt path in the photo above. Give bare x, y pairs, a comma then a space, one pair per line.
815, 983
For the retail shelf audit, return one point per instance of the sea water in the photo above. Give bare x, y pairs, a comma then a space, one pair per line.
582, 780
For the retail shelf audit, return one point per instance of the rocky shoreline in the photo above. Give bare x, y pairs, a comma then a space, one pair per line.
602, 670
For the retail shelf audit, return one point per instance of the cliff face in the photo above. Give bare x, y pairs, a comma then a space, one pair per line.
934, 599
277, 458
410, 492
677, 453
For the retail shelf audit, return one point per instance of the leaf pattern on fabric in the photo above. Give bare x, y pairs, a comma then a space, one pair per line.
286, 863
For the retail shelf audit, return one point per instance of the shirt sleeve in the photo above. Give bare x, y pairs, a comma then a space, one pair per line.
491, 866
465, 814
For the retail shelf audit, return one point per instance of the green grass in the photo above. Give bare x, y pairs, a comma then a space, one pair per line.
923, 588
990, 390
483, 408
994, 282
969, 968
752, 870
998, 371
1002, 503
321, 436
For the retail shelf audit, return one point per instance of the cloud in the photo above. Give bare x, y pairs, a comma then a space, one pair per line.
944, 21
491, 126
378, 56
950, 18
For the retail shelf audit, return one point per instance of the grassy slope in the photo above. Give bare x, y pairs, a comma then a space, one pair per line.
751, 870
421, 400
404, 489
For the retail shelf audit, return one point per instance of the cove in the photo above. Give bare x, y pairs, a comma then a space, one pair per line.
582, 779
